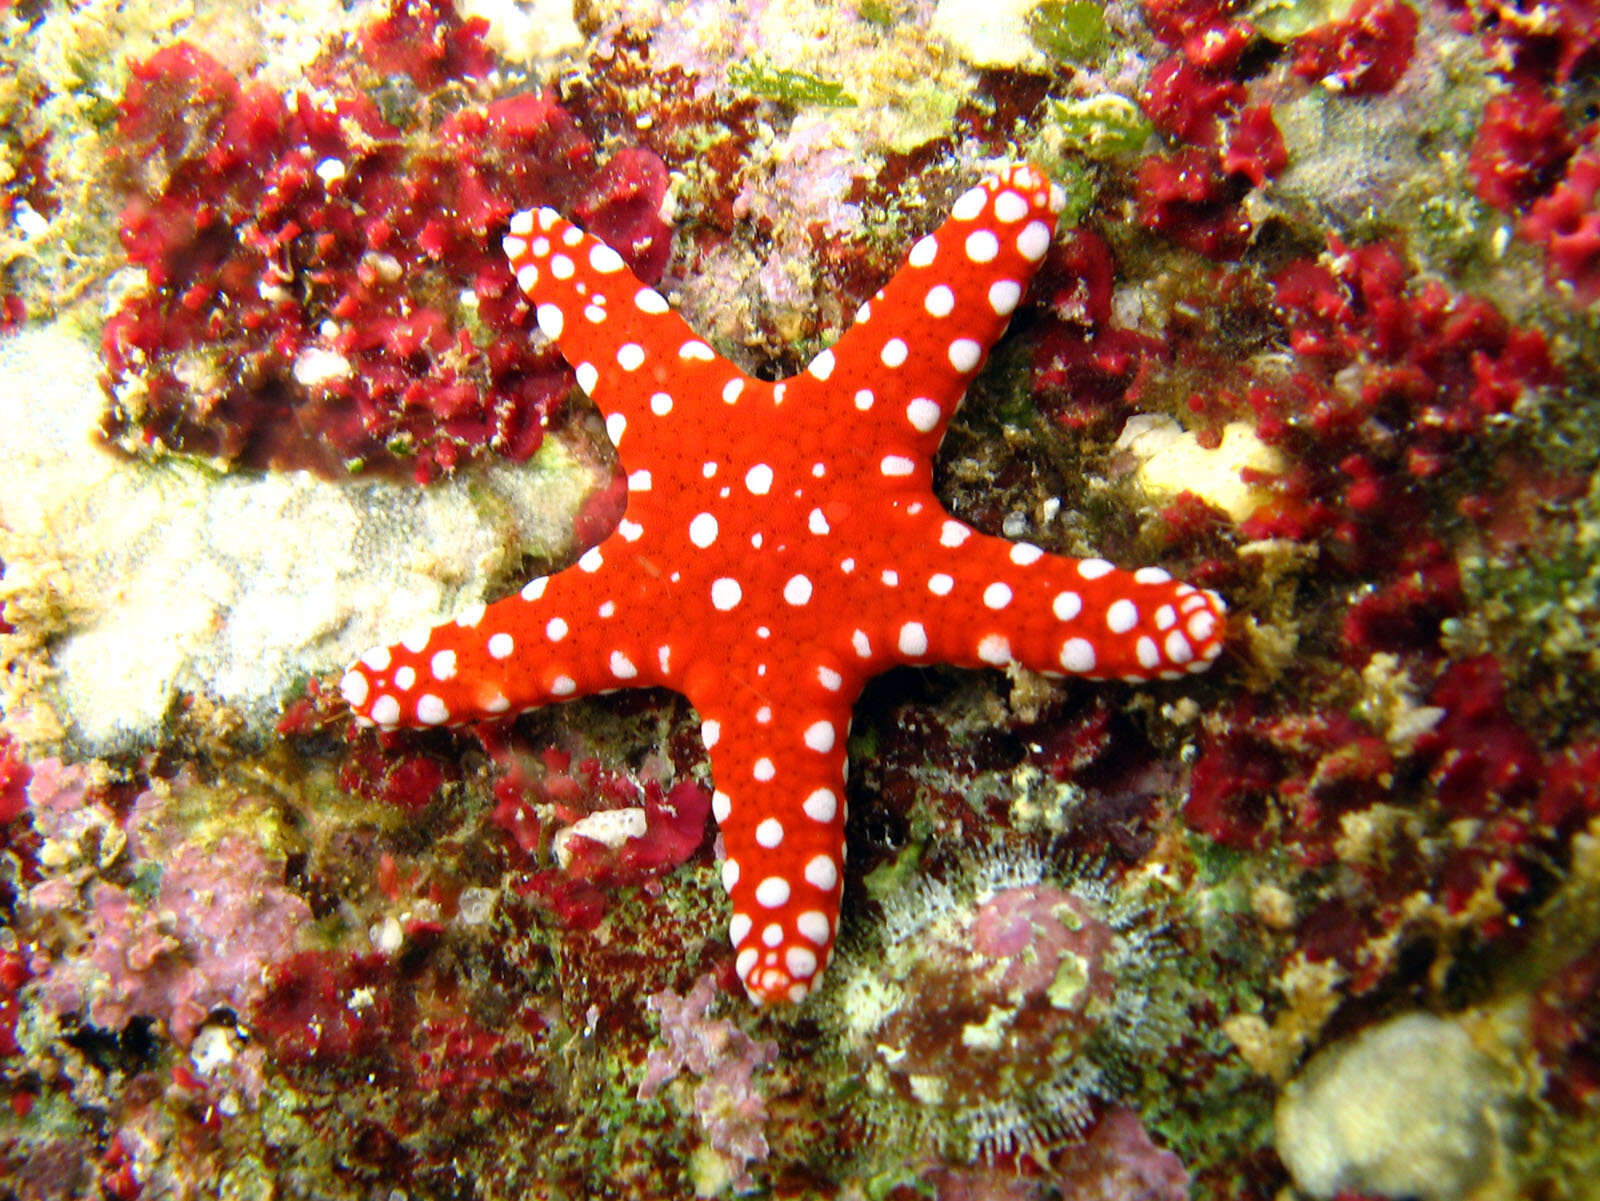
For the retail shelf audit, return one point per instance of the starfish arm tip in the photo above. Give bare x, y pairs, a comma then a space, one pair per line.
630, 352
779, 804
920, 340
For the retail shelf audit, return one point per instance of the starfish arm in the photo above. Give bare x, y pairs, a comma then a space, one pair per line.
571, 634
973, 600
779, 769
632, 354
919, 341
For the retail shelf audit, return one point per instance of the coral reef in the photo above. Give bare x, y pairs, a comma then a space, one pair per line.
1408, 1108
1318, 331
140, 587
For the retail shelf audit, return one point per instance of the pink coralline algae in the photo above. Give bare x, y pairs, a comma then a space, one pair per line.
322, 288
63, 802
221, 916
199, 941
728, 1102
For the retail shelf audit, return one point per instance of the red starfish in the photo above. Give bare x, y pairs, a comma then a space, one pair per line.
782, 543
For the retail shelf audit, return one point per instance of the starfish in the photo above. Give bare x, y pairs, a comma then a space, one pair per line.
782, 543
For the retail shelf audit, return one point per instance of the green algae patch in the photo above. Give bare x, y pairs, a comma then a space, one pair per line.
1077, 184
896, 874
1099, 127
1282, 20
1068, 30
762, 78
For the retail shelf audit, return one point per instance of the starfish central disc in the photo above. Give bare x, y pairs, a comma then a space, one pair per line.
782, 543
